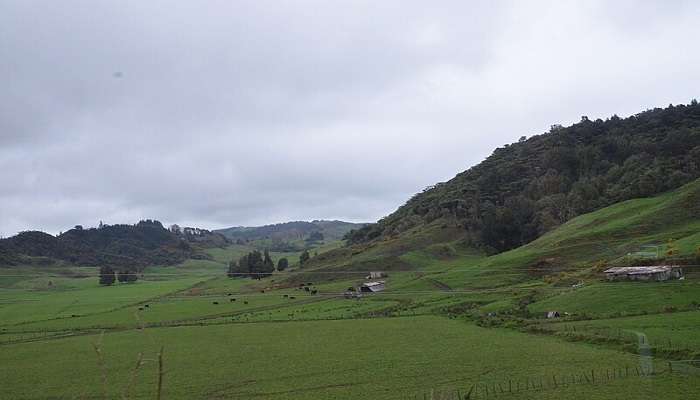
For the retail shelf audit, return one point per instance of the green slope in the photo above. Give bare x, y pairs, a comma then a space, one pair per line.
612, 235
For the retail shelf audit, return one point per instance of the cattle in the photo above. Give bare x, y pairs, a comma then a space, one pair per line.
214, 302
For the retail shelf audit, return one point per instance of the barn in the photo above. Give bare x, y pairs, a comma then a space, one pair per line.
372, 287
644, 273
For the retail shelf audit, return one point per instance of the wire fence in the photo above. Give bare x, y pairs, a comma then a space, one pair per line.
515, 386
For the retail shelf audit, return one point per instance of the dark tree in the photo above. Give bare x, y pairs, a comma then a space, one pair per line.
315, 236
282, 264
127, 276
107, 276
268, 266
304, 257
234, 270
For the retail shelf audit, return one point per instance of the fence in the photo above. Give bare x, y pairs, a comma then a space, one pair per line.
484, 390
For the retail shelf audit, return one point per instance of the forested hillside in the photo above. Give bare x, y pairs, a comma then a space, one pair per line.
294, 230
526, 189
133, 246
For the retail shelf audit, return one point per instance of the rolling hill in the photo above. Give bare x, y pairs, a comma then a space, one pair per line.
526, 189
292, 231
596, 193
133, 246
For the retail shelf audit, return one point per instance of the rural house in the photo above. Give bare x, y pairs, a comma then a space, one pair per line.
372, 287
646, 273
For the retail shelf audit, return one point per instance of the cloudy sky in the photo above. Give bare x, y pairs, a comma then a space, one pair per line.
221, 113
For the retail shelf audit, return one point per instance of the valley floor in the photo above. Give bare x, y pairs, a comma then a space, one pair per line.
241, 339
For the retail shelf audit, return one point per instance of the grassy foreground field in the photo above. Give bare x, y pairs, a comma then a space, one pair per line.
391, 358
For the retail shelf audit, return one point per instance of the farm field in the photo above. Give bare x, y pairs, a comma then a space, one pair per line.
415, 338
392, 358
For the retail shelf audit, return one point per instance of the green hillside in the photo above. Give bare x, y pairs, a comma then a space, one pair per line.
526, 189
616, 235
291, 231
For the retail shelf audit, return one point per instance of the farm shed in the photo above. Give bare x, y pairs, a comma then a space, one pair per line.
646, 273
376, 275
372, 287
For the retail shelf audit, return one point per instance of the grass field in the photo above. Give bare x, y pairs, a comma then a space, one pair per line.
392, 358
451, 319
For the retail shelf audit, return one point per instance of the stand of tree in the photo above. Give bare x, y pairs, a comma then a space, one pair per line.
108, 276
527, 188
255, 265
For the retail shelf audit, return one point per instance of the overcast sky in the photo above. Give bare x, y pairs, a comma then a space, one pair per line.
222, 113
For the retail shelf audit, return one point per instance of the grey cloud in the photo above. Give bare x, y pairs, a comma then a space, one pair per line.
220, 113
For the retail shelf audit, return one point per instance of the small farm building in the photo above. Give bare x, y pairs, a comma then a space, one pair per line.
376, 275
372, 287
647, 273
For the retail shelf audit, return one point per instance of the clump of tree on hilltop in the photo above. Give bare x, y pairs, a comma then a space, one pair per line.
530, 187
121, 246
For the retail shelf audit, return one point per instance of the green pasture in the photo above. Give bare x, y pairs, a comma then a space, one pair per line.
389, 358
620, 298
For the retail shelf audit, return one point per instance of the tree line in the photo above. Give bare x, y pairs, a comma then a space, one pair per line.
258, 265
108, 276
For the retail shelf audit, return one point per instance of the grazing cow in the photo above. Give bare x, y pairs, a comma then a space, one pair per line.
214, 302
140, 308
245, 302
147, 306
292, 297
314, 291
262, 291
232, 300
228, 294
307, 289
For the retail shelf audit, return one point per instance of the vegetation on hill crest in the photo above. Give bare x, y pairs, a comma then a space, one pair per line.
528, 188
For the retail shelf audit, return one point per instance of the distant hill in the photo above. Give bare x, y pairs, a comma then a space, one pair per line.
290, 231
529, 188
129, 246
